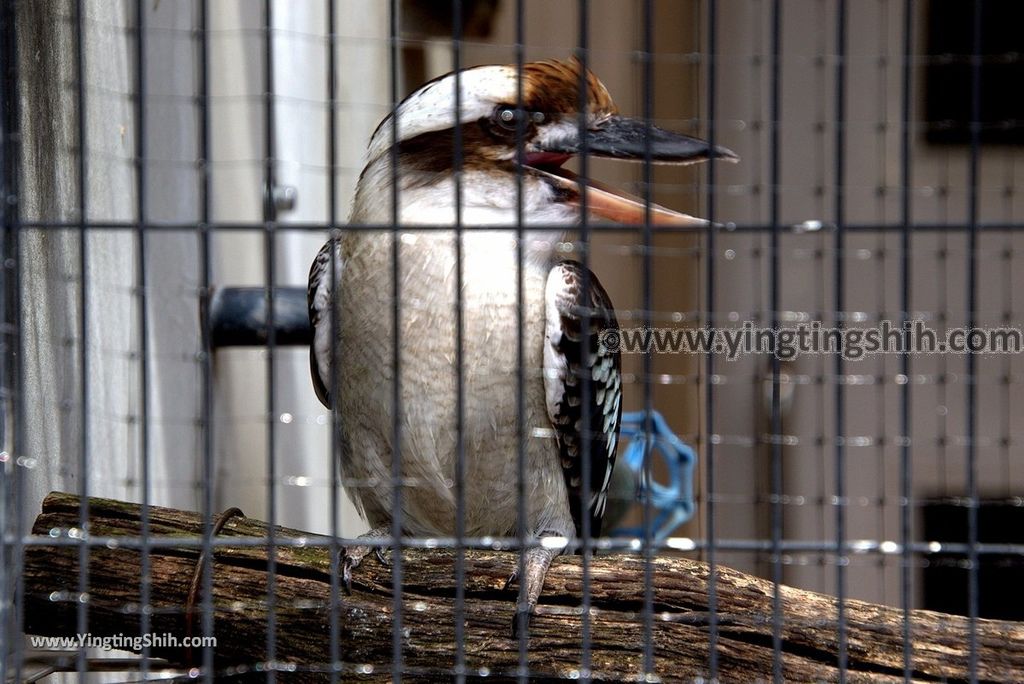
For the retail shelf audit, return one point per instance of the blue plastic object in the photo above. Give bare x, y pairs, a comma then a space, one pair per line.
673, 502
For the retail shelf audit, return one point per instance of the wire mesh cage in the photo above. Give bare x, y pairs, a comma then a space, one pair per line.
810, 388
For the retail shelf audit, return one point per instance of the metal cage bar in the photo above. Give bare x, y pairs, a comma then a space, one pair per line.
204, 237
397, 659
840, 312
647, 291
460, 371
12, 437
582, 53
775, 297
523, 666
973, 175
336, 664
83, 265
142, 322
710, 302
906, 531
270, 277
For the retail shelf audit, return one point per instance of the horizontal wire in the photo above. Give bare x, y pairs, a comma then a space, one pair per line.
632, 544
680, 615
938, 192
814, 58
797, 229
694, 123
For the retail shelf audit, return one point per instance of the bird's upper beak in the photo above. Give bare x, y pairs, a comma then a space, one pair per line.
629, 139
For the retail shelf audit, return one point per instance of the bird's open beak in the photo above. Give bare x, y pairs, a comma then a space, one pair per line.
628, 139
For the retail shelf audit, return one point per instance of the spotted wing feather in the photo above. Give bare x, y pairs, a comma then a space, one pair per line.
583, 382
320, 298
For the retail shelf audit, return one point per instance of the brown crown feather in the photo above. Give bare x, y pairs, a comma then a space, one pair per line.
553, 86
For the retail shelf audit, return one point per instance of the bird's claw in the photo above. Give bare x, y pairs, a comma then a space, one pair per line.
535, 566
349, 559
511, 580
524, 612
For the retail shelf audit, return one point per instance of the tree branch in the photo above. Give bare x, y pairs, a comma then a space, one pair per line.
302, 609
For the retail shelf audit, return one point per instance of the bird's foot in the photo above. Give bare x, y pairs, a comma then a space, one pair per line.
350, 557
537, 562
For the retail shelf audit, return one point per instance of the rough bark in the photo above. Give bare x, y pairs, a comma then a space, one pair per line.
302, 593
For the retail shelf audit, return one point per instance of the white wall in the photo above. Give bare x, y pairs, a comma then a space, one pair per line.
53, 408
301, 424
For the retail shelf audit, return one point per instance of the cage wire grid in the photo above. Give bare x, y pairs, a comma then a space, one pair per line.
842, 247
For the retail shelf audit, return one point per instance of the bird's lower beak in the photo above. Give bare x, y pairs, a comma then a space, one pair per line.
611, 204
626, 139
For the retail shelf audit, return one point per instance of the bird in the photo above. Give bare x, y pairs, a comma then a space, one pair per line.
516, 125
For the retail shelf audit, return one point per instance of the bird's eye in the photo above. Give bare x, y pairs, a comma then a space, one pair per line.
506, 117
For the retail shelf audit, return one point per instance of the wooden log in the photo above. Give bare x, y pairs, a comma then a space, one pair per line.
302, 608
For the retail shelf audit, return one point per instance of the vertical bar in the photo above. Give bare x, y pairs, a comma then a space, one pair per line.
646, 289
586, 436
206, 358
141, 280
396, 366
7, 326
775, 297
709, 359
523, 670
840, 314
11, 385
269, 246
460, 445
906, 491
335, 439
973, 178
83, 265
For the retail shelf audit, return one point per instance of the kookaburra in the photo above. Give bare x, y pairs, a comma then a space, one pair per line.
564, 308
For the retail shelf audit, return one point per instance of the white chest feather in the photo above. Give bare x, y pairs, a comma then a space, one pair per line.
431, 353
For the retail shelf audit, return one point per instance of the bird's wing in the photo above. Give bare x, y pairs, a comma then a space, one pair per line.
578, 367
320, 297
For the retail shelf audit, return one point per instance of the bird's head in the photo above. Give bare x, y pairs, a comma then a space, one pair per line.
499, 138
